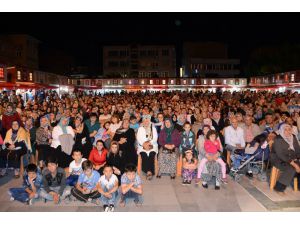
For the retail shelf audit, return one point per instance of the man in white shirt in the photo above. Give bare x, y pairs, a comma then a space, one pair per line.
234, 136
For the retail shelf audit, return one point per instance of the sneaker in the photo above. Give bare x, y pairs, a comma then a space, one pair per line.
11, 199
68, 199
3, 173
111, 208
217, 187
204, 185
184, 182
224, 180
189, 182
90, 200
105, 208
29, 202
249, 174
137, 203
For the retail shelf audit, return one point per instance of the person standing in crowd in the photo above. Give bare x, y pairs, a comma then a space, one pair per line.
169, 141
147, 146
125, 136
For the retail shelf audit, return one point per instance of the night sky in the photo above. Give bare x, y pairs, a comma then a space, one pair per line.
82, 35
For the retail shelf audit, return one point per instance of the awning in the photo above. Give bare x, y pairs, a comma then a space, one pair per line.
13, 86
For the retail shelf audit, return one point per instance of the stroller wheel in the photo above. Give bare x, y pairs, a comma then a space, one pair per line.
237, 178
262, 177
255, 170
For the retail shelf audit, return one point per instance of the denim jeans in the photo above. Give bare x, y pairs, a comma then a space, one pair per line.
109, 201
20, 194
130, 194
47, 196
236, 159
72, 180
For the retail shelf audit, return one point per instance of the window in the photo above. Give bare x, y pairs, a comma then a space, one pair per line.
113, 64
293, 77
19, 75
231, 81
108, 82
151, 81
184, 81
115, 82
142, 82
224, 81
204, 82
30, 76
165, 52
163, 81
1, 72
212, 81
193, 82
172, 81
129, 82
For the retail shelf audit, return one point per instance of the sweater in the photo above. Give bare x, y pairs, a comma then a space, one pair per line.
97, 159
212, 147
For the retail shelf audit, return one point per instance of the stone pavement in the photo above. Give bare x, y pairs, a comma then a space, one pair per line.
166, 195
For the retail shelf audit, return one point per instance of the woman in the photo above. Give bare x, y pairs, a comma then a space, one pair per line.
115, 161
147, 145
98, 156
169, 140
8, 117
285, 156
43, 141
17, 144
82, 140
62, 142
31, 129
115, 125
200, 142
103, 134
125, 136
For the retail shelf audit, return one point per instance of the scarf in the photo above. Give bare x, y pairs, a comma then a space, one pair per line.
169, 131
10, 113
17, 136
64, 128
121, 130
288, 140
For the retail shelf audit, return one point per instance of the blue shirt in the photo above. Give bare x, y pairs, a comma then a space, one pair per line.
89, 182
37, 181
137, 180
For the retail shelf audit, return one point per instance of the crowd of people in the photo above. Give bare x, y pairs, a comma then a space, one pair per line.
89, 147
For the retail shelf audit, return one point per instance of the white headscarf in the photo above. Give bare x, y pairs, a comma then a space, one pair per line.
289, 140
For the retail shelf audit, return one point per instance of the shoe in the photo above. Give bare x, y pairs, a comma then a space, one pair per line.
158, 176
184, 182
11, 199
111, 208
249, 174
224, 180
172, 177
17, 173
122, 203
105, 208
189, 182
205, 185
45, 200
68, 199
217, 187
90, 200
137, 203
29, 202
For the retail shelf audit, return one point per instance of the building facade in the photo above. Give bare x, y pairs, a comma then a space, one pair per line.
139, 61
208, 59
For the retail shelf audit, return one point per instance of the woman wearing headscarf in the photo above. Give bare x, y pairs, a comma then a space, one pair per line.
82, 137
43, 141
17, 144
8, 117
147, 145
62, 142
285, 156
31, 129
169, 141
125, 136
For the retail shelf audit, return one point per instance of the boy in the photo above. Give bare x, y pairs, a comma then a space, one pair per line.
134, 124
75, 167
108, 187
54, 182
131, 186
32, 181
86, 188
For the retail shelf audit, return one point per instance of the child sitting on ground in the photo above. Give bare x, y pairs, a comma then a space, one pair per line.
131, 186
75, 167
32, 181
108, 188
86, 188
212, 148
189, 166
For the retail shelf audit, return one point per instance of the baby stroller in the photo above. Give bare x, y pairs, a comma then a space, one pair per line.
253, 162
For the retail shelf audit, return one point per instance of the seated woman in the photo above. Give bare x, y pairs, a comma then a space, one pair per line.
285, 156
17, 144
82, 139
98, 156
169, 140
31, 129
147, 145
115, 161
62, 142
125, 136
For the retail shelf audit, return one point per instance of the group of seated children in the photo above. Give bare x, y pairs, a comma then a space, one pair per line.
82, 182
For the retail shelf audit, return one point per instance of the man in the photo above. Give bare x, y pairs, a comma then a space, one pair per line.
234, 136
251, 129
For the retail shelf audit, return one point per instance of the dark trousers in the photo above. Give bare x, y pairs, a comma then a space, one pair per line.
84, 197
44, 151
148, 162
64, 160
11, 157
72, 180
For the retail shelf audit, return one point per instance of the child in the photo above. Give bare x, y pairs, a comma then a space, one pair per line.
131, 186
32, 181
189, 164
187, 139
134, 123
103, 135
114, 160
108, 187
54, 182
212, 147
86, 188
75, 168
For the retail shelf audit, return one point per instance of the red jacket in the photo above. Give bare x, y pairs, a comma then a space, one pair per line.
96, 158
7, 120
212, 147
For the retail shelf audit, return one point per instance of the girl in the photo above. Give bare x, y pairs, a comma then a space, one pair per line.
189, 164
187, 138
114, 160
98, 156
103, 134
212, 148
